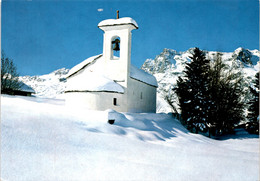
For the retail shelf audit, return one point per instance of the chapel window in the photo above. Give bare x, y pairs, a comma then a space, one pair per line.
115, 101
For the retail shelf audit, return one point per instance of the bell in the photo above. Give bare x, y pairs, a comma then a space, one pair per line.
116, 47
116, 44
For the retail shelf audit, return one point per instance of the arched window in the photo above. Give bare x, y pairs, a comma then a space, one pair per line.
115, 48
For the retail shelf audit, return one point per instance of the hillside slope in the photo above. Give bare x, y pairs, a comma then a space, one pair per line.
42, 139
50, 85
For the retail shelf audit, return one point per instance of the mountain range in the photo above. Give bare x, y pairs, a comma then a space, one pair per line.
166, 67
170, 64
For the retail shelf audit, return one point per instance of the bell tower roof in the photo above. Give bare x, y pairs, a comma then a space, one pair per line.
120, 21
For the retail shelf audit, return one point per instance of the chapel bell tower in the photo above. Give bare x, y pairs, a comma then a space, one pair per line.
117, 47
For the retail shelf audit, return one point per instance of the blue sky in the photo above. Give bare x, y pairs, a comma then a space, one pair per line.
42, 36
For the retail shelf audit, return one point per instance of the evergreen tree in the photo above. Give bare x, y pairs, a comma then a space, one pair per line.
226, 92
253, 110
192, 92
185, 97
210, 96
254, 102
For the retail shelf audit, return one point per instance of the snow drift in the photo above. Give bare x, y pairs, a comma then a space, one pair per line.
42, 139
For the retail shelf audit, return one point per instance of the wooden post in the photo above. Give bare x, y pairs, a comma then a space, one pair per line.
117, 14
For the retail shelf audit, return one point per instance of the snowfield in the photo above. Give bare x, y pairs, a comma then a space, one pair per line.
44, 140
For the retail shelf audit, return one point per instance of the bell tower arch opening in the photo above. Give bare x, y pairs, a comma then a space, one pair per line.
115, 48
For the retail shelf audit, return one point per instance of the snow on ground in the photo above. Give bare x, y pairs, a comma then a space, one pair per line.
43, 140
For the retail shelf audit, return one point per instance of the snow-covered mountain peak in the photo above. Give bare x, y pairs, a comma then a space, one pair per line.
57, 73
169, 52
249, 57
189, 51
168, 59
239, 49
62, 71
49, 85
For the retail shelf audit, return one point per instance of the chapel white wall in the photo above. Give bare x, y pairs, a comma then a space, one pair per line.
138, 97
94, 100
141, 97
97, 100
118, 69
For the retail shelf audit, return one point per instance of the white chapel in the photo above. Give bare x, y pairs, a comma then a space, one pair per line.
108, 80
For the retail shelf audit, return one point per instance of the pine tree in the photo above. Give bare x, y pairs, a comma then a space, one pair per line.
185, 97
210, 96
226, 92
254, 102
253, 115
192, 92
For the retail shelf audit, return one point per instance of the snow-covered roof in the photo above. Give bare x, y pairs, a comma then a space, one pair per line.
97, 84
120, 21
82, 65
25, 88
101, 82
142, 76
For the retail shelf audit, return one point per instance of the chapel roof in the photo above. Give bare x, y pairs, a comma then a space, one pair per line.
101, 82
141, 75
95, 83
82, 65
